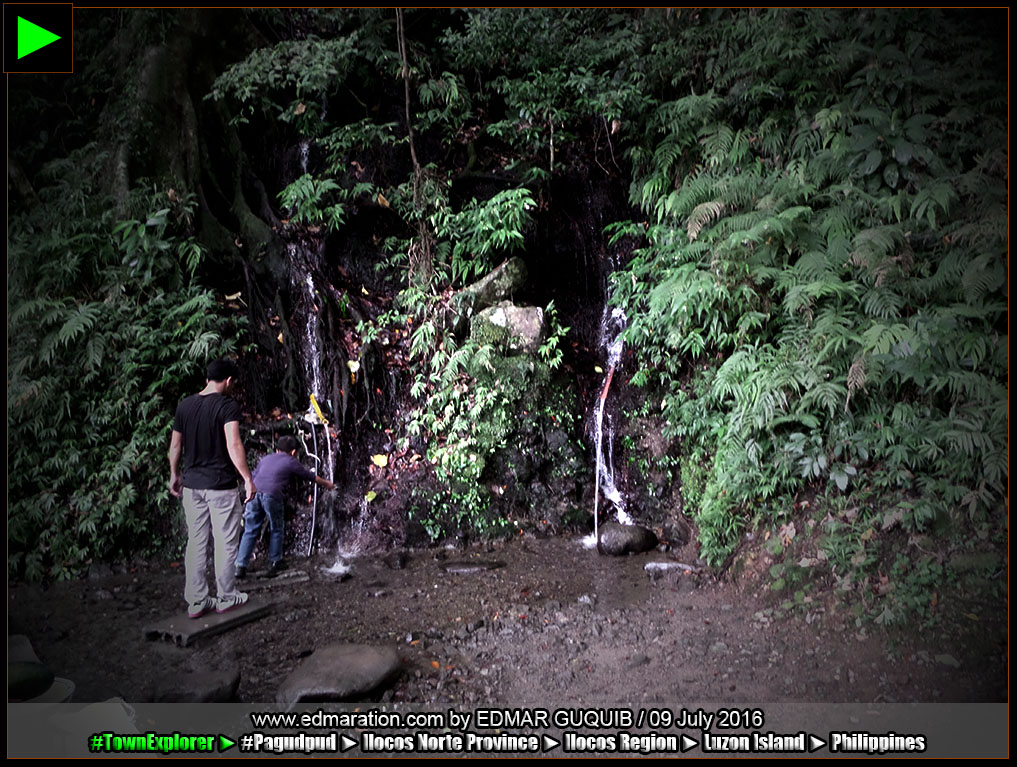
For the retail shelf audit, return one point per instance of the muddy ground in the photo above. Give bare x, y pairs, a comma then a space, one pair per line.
555, 625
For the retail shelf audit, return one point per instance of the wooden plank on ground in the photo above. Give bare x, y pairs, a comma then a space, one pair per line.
185, 631
285, 578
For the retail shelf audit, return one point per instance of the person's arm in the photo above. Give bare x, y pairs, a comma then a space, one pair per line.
302, 471
238, 455
325, 483
176, 484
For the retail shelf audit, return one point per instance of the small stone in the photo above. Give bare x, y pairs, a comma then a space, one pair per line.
397, 560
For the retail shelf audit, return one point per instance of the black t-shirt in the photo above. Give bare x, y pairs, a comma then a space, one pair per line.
201, 419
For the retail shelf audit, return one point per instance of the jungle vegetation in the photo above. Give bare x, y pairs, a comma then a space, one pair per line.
815, 225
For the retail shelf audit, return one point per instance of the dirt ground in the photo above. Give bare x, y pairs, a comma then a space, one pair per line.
555, 624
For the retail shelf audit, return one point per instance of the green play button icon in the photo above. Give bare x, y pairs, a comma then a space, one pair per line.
32, 37
38, 38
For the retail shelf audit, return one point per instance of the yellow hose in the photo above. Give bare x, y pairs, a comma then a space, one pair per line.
317, 409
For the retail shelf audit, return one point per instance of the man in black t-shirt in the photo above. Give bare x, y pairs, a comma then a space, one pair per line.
206, 430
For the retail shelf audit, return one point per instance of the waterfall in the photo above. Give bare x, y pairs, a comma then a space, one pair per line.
305, 258
313, 346
612, 323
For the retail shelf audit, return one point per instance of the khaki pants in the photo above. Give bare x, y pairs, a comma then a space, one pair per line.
217, 512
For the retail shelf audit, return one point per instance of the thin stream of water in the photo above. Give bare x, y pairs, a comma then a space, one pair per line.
613, 321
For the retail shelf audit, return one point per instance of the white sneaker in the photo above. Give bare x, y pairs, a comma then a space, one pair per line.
199, 608
226, 604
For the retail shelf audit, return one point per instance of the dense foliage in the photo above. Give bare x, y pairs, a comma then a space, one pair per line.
815, 287
106, 325
822, 294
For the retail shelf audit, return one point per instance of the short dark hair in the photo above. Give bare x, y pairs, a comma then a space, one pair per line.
286, 443
220, 370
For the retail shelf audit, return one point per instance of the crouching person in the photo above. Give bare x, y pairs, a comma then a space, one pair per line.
271, 477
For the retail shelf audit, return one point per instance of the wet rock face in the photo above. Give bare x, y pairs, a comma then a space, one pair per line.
619, 540
339, 672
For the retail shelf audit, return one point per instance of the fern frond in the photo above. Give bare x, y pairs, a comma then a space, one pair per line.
78, 323
828, 395
873, 245
26, 309
856, 375
982, 276
716, 141
702, 215
882, 303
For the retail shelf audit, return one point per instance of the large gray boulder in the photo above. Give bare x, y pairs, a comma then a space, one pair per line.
500, 284
510, 327
618, 540
339, 672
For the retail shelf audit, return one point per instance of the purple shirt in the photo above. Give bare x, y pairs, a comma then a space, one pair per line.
274, 472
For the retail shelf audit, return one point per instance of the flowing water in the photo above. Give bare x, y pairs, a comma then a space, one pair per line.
316, 382
315, 431
350, 544
612, 323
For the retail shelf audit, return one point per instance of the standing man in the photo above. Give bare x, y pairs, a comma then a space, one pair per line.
206, 430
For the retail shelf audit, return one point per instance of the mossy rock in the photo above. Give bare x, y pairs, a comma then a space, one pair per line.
489, 333
499, 285
510, 328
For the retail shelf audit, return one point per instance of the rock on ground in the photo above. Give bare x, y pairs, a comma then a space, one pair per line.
339, 672
618, 539
200, 687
